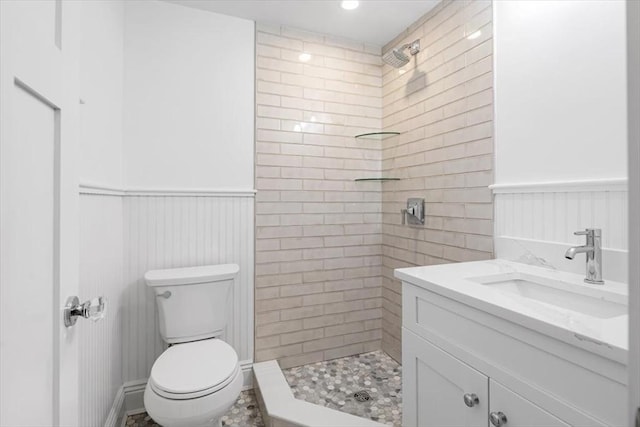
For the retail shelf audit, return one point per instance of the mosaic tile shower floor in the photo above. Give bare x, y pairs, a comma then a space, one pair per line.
244, 413
333, 383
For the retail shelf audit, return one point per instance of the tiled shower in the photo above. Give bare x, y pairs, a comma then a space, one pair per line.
326, 245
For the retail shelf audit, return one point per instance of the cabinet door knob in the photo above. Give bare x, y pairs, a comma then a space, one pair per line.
471, 399
497, 418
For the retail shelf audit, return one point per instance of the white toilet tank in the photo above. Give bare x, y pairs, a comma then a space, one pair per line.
192, 302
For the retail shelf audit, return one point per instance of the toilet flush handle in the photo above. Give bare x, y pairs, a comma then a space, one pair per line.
165, 294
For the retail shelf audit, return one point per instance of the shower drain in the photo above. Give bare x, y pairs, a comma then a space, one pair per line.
361, 396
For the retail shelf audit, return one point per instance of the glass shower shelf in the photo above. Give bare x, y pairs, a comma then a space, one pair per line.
377, 135
377, 179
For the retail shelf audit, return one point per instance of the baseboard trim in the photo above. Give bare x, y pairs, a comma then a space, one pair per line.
134, 396
247, 373
129, 399
116, 413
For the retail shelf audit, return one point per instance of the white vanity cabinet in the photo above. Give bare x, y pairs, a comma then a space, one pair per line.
521, 412
434, 386
445, 391
466, 364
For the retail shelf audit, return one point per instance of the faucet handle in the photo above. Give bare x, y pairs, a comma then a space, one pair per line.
595, 232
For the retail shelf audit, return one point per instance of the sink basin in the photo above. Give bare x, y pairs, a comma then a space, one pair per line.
551, 302
568, 296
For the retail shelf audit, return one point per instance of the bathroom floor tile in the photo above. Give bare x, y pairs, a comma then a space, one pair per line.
333, 384
244, 413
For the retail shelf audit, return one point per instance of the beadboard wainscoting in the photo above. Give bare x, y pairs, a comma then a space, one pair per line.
169, 231
101, 268
123, 234
535, 222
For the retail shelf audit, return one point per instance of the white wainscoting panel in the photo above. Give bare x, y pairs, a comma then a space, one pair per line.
538, 220
169, 231
101, 262
554, 216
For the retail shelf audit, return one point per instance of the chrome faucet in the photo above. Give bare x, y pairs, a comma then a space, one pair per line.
593, 250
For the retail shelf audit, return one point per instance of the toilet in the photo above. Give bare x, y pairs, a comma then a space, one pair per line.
198, 378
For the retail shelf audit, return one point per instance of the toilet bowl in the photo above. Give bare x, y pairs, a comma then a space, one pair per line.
198, 378
193, 384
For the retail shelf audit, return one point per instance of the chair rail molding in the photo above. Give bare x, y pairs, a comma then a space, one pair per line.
608, 184
107, 190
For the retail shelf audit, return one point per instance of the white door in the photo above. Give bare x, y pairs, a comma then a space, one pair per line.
633, 91
38, 214
434, 387
517, 411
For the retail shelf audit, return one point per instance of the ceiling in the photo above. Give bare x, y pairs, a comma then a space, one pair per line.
374, 21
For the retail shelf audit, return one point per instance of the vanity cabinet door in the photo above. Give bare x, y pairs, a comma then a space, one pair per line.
434, 387
518, 411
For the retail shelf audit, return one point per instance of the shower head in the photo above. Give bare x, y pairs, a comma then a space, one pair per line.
397, 58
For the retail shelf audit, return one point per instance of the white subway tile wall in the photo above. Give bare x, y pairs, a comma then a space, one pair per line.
442, 103
326, 246
318, 232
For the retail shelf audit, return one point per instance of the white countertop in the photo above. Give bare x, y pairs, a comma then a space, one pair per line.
610, 335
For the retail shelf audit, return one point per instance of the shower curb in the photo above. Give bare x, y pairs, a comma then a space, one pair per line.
280, 408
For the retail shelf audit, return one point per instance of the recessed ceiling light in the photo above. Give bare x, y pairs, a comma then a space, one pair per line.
349, 4
474, 35
304, 57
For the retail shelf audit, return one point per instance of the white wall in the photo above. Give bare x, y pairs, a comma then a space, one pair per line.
189, 98
101, 90
101, 248
560, 90
189, 110
560, 100
633, 70
188, 125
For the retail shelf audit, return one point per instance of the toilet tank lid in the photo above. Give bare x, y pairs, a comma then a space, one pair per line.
191, 275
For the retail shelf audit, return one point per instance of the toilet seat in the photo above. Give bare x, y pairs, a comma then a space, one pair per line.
194, 369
